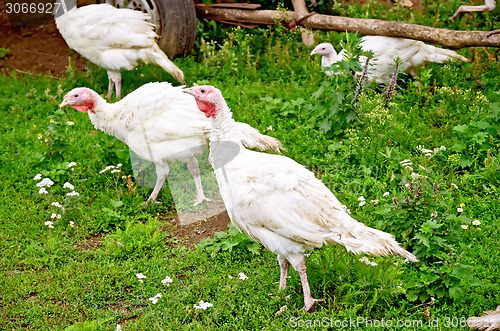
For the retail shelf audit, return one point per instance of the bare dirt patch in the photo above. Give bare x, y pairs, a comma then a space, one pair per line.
39, 50
91, 243
191, 234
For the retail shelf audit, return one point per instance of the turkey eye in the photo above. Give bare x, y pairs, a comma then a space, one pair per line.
202, 91
76, 95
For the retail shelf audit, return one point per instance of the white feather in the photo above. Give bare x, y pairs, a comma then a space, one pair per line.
114, 39
412, 53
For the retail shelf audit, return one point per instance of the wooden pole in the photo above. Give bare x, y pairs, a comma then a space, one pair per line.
444, 37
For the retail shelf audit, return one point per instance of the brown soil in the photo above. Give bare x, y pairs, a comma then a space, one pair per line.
191, 234
177, 233
39, 49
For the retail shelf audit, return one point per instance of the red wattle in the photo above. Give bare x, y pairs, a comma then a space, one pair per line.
207, 108
82, 108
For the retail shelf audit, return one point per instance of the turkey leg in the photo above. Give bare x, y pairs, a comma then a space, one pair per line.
194, 169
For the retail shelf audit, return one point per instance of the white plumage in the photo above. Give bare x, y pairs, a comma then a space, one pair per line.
114, 39
412, 53
490, 321
280, 203
160, 124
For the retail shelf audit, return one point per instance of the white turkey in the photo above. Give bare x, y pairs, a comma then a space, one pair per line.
280, 203
114, 39
159, 123
490, 321
412, 53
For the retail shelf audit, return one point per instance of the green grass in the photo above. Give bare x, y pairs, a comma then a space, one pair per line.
53, 278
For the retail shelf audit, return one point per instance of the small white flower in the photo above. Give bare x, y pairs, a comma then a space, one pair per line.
281, 311
375, 202
465, 227
54, 215
166, 281
407, 167
73, 193
118, 327
203, 305
140, 277
106, 169
476, 222
270, 127
454, 186
362, 203
115, 170
37, 177
386, 194
119, 165
45, 182
70, 123
50, 224
361, 198
365, 260
71, 164
229, 276
154, 299
442, 148
406, 162
242, 276
460, 210
56, 204
71, 223
43, 191
68, 185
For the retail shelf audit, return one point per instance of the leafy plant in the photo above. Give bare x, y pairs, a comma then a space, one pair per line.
228, 241
137, 239
421, 215
4, 52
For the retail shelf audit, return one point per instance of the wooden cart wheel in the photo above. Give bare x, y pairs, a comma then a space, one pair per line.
174, 21
178, 26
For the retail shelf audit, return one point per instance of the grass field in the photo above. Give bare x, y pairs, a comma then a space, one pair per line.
433, 148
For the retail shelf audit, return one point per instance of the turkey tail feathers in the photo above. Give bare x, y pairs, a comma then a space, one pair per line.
489, 321
363, 239
163, 61
442, 55
252, 138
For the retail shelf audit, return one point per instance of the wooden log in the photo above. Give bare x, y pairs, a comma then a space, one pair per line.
299, 6
444, 37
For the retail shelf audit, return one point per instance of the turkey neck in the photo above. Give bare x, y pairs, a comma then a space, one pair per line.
224, 126
106, 117
327, 61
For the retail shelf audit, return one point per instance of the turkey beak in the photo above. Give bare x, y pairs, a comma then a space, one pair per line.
65, 102
313, 52
187, 91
